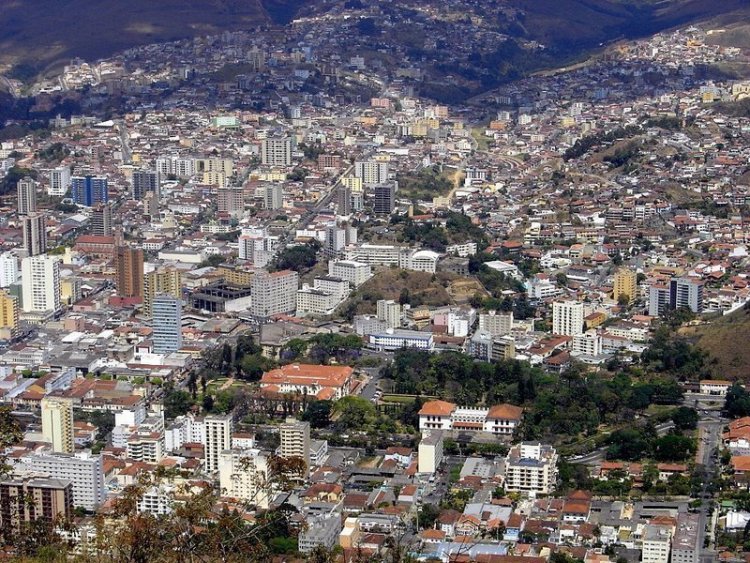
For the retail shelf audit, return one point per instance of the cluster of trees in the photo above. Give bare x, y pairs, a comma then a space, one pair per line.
737, 402
568, 404
9, 183
322, 348
636, 443
299, 258
53, 153
585, 144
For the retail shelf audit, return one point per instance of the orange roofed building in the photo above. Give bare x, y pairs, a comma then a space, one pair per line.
442, 415
322, 382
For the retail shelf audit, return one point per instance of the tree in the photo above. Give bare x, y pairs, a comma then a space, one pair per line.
318, 414
428, 515
177, 403
673, 447
685, 418
354, 412
737, 403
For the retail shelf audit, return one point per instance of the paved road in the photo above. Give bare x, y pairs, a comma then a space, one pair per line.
711, 425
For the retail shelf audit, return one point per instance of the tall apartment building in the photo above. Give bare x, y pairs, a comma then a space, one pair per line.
343, 200
101, 220
389, 311
243, 474
29, 500
658, 299
276, 152
684, 292
371, 172
567, 318
218, 430
40, 283
295, 440
26, 189
8, 269
145, 181
161, 280
34, 234
273, 196
231, 201
57, 423
181, 167
89, 190
625, 285
335, 240
274, 293
531, 467
680, 292
384, 200
166, 323
8, 314
496, 323
84, 470
59, 181
129, 271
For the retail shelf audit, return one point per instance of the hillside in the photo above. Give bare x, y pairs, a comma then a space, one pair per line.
47, 33
420, 288
725, 339
39, 35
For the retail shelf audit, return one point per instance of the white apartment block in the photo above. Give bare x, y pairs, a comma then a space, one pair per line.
295, 440
657, 542
314, 301
531, 468
356, 273
496, 323
587, 344
218, 438
276, 152
40, 276
274, 293
8, 269
371, 172
567, 318
59, 181
339, 287
389, 311
243, 475
84, 470
463, 249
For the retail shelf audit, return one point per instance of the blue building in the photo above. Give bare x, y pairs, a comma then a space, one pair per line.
166, 323
89, 190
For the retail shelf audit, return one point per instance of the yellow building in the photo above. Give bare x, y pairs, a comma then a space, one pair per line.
8, 314
163, 280
57, 423
625, 284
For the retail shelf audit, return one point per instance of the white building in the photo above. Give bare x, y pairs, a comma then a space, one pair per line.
276, 152
422, 261
8, 269
430, 451
356, 273
389, 311
371, 172
40, 277
587, 344
314, 301
496, 324
441, 415
463, 249
84, 470
657, 541
243, 474
340, 288
531, 467
395, 339
274, 293
59, 181
218, 438
567, 318
295, 440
